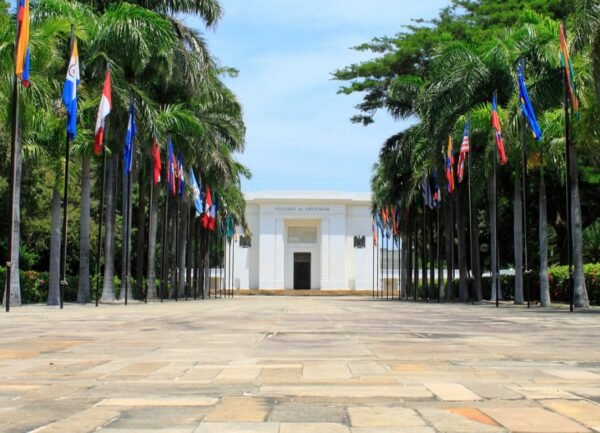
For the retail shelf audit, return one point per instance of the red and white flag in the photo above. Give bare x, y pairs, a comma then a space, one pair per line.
103, 112
156, 163
465, 148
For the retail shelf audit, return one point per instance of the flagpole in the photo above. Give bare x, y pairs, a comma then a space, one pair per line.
495, 278
567, 132
233, 267
127, 231
416, 238
63, 261
525, 267
164, 272
469, 169
424, 252
14, 151
373, 261
439, 252
377, 267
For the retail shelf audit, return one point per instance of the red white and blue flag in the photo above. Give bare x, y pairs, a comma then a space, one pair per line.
465, 148
498, 131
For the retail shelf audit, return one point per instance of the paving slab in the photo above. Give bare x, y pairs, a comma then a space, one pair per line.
460, 421
585, 412
212, 427
240, 409
534, 420
451, 391
295, 412
397, 417
313, 428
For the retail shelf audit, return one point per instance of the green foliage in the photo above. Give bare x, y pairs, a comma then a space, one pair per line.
558, 277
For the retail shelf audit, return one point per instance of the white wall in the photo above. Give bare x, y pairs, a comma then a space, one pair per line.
335, 263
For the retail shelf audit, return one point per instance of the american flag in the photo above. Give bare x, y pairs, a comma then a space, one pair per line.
465, 147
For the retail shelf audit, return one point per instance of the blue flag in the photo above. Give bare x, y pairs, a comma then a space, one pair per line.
427, 195
528, 108
131, 133
196, 190
69, 95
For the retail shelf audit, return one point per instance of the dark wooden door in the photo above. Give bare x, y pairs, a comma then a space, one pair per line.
301, 271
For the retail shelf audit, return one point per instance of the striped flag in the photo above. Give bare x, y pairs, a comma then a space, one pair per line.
103, 112
450, 167
465, 148
498, 131
569, 72
69, 95
22, 53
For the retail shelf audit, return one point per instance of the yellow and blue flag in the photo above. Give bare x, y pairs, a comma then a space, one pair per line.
527, 107
22, 54
69, 95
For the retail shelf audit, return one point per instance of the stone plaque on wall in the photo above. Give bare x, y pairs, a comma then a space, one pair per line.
302, 235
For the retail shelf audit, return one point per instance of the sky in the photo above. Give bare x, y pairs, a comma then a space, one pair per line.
299, 136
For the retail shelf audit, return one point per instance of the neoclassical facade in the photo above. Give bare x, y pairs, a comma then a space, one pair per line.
305, 240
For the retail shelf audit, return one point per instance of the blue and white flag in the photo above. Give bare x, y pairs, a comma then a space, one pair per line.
69, 95
129, 138
196, 191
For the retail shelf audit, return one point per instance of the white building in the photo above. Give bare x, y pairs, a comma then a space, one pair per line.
306, 240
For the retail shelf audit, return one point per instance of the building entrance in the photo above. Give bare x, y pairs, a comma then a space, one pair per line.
302, 271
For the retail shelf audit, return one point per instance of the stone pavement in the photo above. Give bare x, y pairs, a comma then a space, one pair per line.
298, 365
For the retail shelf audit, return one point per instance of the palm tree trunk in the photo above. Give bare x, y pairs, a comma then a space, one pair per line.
449, 243
495, 286
476, 267
15, 279
141, 235
581, 295
543, 238
55, 238
108, 287
518, 238
409, 260
182, 235
463, 288
84, 294
126, 213
190, 250
152, 231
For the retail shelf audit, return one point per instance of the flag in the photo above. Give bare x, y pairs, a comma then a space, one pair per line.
103, 112
69, 95
180, 174
498, 133
171, 168
156, 162
22, 53
437, 196
528, 108
213, 214
207, 208
450, 167
465, 148
196, 193
569, 72
426, 192
25, 75
129, 140
374, 231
